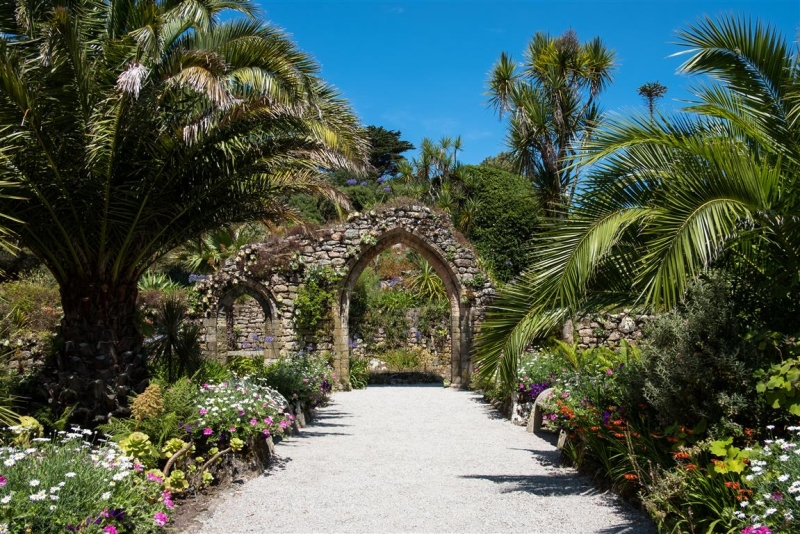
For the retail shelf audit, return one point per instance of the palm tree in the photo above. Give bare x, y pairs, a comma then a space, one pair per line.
670, 198
652, 91
131, 126
207, 253
553, 110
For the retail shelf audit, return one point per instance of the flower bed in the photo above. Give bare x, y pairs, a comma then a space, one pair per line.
77, 483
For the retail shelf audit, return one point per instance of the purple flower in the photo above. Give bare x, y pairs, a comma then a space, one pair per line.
352, 181
387, 188
606, 417
363, 184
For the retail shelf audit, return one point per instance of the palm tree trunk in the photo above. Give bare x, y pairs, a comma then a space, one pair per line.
100, 362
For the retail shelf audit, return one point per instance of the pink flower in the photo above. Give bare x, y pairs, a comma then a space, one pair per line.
154, 478
110, 529
240, 411
206, 385
290, 416
609, 372
268, 420
253, 422
203, 411
3, 481
284, 424
207, 431
167, 500
160, 518
232, 429
137, 466
266, 432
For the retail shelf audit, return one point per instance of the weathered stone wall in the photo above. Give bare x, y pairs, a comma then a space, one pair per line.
606, 330
273, 272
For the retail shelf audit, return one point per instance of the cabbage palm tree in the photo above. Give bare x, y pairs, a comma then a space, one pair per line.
131, 126
553, 109
670, 198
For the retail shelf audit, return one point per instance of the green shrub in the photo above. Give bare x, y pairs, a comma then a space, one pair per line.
312, 306
696, 365
31, 304
502, 228
359, 373
246, 365
174, 342
304, 376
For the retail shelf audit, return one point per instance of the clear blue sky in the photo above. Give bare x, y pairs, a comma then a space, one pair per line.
421, 67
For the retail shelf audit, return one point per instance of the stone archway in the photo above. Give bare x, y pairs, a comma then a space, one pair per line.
459, 311
277, 270
236, 329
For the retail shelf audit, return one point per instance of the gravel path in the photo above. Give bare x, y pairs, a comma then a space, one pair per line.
418, 459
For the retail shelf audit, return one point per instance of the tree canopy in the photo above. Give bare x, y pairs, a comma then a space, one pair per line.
130, 126
671, 197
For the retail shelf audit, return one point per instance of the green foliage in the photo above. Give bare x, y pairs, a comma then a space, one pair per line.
696, 364
359, 373
780, 385
405, 360
426, 284
175, 342
304, 376
508, 219
386, 149
30, 305
312, 306
732, 459
63, 484
670, 198
207, 253
551, 102
246, 365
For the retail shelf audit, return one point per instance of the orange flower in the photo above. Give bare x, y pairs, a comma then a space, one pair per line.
691, 467
681, 455
672, 440
595, 428
618, 435
631, 476
732, 485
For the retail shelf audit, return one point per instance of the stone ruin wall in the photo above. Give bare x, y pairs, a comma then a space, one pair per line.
275, 271
606, 330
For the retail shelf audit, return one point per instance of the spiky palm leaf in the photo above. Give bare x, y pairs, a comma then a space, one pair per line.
667, 198
131, 126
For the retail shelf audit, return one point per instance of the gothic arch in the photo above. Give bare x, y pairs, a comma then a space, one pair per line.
275, 270
459, 346
220, 326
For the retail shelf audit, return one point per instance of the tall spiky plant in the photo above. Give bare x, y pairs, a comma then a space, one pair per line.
670, 198
552, 105
131, 126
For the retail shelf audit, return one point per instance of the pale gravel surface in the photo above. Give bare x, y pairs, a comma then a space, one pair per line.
418, 459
